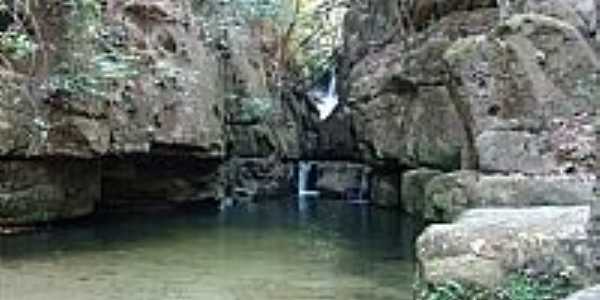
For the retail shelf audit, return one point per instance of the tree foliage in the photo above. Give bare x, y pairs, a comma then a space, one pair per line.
307, 32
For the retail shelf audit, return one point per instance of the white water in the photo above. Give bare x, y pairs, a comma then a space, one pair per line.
304, 169
364, 185
326, 101
363, 189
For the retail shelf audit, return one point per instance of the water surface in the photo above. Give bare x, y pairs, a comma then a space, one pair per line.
289, 250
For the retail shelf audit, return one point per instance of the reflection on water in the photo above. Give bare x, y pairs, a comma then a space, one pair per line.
326, 250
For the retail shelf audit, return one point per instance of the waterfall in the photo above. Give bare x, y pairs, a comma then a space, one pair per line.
326, 100
360, 194
304, 169
364, 186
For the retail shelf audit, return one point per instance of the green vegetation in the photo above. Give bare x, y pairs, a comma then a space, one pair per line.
17, 42
516, 287
96, 56
95, 59
255, 109
16, 45
84, 65
305, 33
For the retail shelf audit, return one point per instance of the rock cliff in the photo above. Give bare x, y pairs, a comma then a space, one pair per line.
476, 104
139, 103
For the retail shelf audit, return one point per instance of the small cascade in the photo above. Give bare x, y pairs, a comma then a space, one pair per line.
362, 194
326, 100
364, 186
304, 170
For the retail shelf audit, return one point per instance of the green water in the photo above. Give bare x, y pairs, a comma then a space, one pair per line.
323, 250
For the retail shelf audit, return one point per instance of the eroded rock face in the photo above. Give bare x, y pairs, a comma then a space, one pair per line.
525, 71
257, 178
484, 245
263, 115
402, 107
40, 191
147, 182
185, 98
512, 97
174, 101
169, 104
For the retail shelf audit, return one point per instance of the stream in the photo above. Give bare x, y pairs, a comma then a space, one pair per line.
272, 250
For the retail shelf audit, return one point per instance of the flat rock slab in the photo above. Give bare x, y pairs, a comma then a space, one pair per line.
492, 243
447, 195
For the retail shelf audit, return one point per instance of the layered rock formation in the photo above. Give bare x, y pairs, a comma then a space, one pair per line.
513, 98
478, 104
141, 107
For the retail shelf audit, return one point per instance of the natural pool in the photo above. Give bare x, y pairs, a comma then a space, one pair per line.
307, 249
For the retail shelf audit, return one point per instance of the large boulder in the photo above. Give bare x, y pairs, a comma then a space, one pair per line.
485, 245
525, 70
412, 129
402, 109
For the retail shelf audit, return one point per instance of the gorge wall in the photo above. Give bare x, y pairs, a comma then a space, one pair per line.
506, 92
460, 105
142, 103
451, 107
